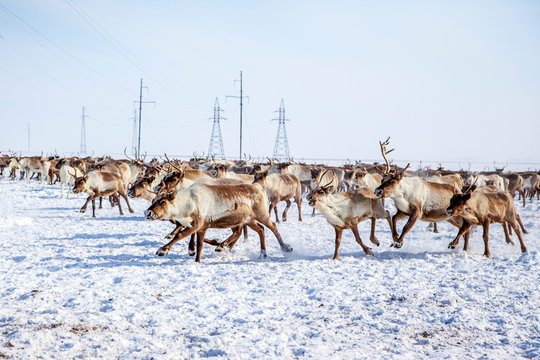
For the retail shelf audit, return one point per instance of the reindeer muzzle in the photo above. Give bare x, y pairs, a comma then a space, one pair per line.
449, 212
378, 193
149, 215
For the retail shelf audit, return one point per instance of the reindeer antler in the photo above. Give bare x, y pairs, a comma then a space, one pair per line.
468, 189
385, 152
171, 163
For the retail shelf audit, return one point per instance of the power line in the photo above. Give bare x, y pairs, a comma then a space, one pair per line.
121, 49
241, 98
36, 31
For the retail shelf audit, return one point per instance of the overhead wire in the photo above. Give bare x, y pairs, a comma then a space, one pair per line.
123, 50
56, 45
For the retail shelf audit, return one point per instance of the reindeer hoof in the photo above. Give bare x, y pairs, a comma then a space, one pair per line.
369, 252
263, 254
396, 244
191, 252
132, 211
286, 248
375, 241
162, 252
451, 246
83, 210
219, 248
168, 236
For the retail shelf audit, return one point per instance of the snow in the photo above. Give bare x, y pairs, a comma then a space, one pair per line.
77, 287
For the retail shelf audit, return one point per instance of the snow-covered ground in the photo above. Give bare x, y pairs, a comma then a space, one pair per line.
76, 287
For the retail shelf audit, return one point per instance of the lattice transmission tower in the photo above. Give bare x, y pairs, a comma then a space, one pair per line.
281, 146
216, 140
83, 133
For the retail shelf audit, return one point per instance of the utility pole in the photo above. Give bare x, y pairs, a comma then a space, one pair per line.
134, 136
216, 140
281, 146
140, 113
83, 133
241, 97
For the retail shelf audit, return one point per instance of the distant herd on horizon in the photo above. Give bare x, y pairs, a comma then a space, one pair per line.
205, 193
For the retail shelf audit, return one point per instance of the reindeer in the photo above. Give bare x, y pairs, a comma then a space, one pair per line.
344, 210
67, 174
99, 184
301, 171
13, 166
201, 207
413, 197
280, 187
483, 207
222, 171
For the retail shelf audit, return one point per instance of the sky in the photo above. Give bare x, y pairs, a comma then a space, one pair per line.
447, 80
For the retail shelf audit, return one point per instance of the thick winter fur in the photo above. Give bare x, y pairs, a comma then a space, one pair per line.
201, 207
66, 178
483, 207
98, 184
280, 187
344, 210
416, 198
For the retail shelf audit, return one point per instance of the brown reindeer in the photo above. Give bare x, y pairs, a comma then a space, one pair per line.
99, 184
483, 207
344, 210
280, 187
201, 207
413, 197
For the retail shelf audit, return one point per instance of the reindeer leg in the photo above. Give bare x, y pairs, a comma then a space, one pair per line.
408, 226
435, 228
101, 202
372, 236
518, 233
164, 250
273, 206
298, 201
175, 231
506, 235
123, 194
117, 199
94, 208
338, 231
284, 216
399, 215
367, 250
245, 228
466, 237
518, 218
191, 245
272, 226
462, 230
485, 225
200, 243
260, 231
231, 240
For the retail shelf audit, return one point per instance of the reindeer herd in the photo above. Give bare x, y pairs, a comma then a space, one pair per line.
200, 194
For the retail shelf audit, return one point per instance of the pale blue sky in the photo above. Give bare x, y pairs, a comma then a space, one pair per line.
448, 80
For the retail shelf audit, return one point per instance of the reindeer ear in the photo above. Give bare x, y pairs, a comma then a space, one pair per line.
328, 189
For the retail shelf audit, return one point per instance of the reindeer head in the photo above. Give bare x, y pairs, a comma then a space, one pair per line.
319, 193
282, 167
140, 186
160, 208
458, 201
260, 177
169, 182
80, 183
391, 177
389, 183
